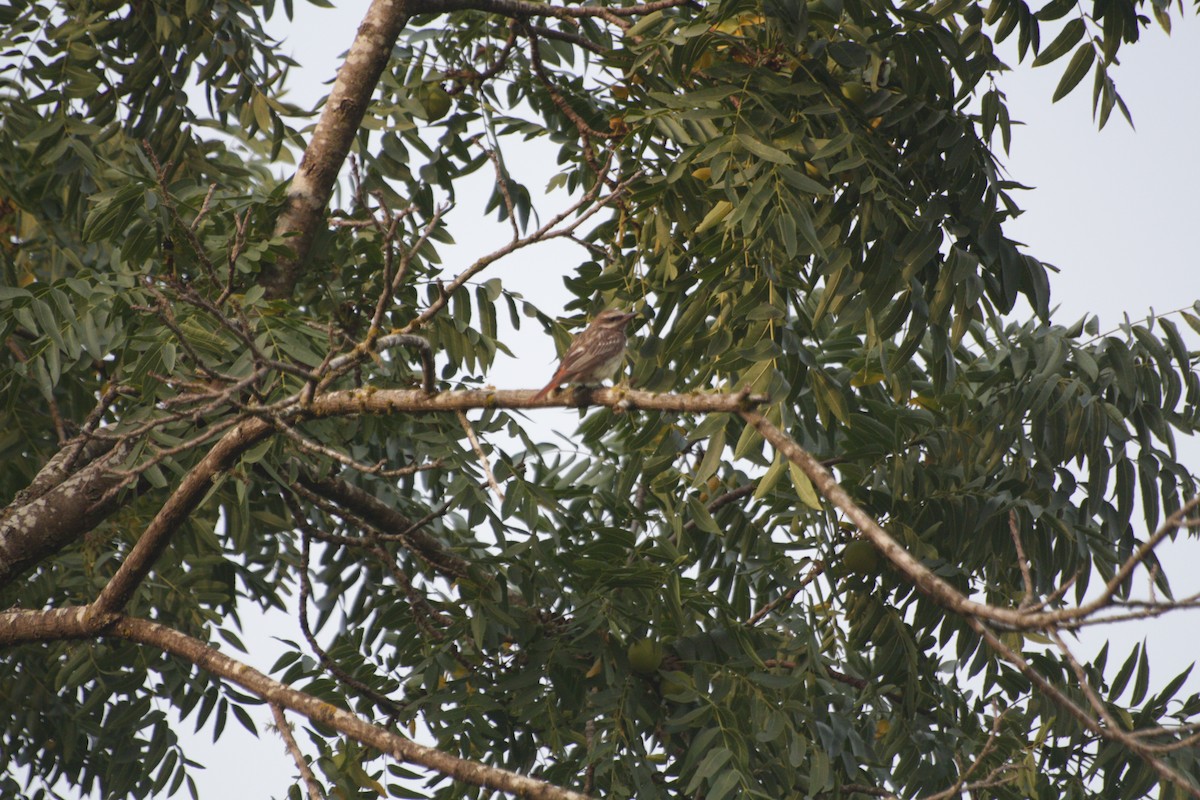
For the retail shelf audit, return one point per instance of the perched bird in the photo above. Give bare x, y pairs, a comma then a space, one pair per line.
595, 354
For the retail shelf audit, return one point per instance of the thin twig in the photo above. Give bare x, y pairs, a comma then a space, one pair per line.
510, 207
590, 201
815, 570
731, 496
327, 662
60, 429
1022, 561
539, 69
483, 460
956, 790
285, 730
392, 283
311, 446
392, 526
573, 38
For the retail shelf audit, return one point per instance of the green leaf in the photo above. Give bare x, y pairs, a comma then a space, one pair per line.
1067, 38
1123, 674
724, 785
801, 182
713, 453
768, 481
702, 518
716, 758
850, 55
1055, 9
112, 212
763, 150
244, 718
1142, 682
1078, 67
804, 488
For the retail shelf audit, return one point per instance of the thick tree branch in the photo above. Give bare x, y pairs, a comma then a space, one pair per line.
57, 507
175, 511
385, 401
39, 529
62, 465
312, 185
78, 623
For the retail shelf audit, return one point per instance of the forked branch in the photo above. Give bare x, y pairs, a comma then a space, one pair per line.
1032, 618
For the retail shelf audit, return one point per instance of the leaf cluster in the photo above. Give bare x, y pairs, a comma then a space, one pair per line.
814, 212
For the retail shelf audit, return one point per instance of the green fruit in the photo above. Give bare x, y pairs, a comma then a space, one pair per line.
434, 99
860, 556
645, 656
855, 92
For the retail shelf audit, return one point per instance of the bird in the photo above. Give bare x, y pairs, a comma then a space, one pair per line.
595, 354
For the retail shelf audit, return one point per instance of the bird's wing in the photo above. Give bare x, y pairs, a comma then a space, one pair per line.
587, 352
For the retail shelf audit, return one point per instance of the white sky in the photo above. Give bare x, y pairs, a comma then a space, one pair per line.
1115, 210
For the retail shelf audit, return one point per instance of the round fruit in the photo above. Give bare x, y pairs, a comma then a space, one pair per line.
861, 556
434, 99
645, 656
855, 92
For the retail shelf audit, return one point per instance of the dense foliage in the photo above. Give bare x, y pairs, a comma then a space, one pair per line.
802, 200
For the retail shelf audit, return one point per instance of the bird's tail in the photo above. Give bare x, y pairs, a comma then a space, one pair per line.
552, 385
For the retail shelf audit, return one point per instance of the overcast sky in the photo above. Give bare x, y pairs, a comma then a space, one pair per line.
1115, 210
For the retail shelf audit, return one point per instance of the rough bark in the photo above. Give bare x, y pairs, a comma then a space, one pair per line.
59, 506
38, 529
313, 183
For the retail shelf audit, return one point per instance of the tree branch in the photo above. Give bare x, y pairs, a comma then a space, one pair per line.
479, 454
174, 512
917, 573
33, 532
1110, 731
391, 523
285, 731
57, 507
78, 623
923, 578
312, 185
388, 401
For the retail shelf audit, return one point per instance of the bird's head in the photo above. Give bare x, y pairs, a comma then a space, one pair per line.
612, 318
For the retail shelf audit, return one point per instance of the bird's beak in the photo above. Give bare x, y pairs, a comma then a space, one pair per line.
628, 316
